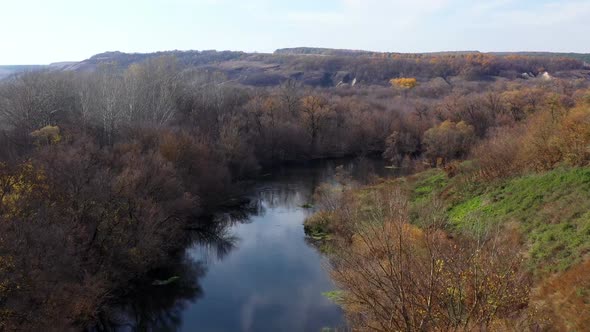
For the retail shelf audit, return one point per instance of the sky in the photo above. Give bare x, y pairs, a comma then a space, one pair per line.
46, 31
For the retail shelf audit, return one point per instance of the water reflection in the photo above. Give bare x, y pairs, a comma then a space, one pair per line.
249, 270
157, 308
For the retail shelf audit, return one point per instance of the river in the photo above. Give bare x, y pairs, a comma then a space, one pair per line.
259, 273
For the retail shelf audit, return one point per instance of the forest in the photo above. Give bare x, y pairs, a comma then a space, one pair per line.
104, 165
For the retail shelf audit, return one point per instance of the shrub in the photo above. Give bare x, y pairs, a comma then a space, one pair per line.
497, 156
448, 141
574, 137
565, 299
47, 135
396, 276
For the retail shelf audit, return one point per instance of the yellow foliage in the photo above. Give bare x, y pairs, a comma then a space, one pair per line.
47, 135
17, 186
574, 137
404, 82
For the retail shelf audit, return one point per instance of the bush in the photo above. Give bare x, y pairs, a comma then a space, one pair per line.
317, 226
564, 300
397, 276
574, 137
448, 141
497, 156
47, 135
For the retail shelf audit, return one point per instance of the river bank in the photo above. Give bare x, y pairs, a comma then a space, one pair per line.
255, 267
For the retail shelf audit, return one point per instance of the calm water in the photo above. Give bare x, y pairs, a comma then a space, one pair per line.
262, 274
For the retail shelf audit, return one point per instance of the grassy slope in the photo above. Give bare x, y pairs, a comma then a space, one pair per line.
552, 210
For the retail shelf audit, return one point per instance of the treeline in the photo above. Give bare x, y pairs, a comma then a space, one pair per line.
320, 69
380, 68
100, 171
360, 53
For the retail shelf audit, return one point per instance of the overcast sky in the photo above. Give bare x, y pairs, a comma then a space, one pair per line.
45, 31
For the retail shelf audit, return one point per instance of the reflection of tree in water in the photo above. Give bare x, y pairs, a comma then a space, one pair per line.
213, 241
148, 307
151, 307
284, 195
156, 308
296, 186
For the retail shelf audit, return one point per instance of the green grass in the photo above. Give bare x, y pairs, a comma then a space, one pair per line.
317, 226
335, 296
552, 209
427, 183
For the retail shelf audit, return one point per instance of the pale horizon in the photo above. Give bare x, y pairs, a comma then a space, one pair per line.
43, 32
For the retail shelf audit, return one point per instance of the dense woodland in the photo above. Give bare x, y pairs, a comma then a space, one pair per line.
102, 170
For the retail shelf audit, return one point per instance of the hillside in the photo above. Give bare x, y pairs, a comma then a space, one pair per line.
505, 231
6, 71
321, 67
547, 213
331, 67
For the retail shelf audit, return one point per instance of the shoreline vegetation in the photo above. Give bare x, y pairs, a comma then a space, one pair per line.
103, 170
489, 243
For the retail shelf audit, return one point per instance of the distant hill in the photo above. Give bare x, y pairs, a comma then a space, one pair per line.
189, 58
6, 71
326, 67
321, 51
343, 52
578, 56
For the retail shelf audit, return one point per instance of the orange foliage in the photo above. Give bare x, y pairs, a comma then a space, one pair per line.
551, 137
448, 141
396, 276
404, 82
498, 155
565, 299
574, 137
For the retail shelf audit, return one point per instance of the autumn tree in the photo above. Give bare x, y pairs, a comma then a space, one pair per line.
498, 155
47, 135
396, 276
475, 109
540, 149
234, 143
522, 102
151, 88
400, 145
107, 107
565, 299
574, 136
266, 114
448, 141
404, 83
289, 94
315, 112
37, 99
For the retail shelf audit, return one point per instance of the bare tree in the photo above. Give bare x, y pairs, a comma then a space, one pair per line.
397, 276
315, 111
